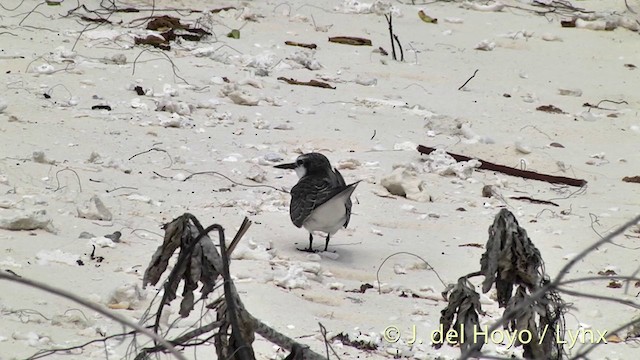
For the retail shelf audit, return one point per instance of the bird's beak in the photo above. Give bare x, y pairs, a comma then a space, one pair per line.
289, 166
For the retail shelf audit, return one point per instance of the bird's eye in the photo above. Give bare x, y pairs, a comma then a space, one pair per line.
299, 162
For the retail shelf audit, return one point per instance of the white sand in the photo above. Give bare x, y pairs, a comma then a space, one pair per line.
600, 147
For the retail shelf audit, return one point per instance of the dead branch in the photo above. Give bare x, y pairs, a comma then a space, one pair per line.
308, 46
390, 23
511, 171
532, 200
314, 83
115, 317
239, 346
395, 37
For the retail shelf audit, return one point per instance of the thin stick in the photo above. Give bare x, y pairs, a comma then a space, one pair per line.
393, 47
67, 295
400, 46
405, 253
155, 149
469, 79
244, 352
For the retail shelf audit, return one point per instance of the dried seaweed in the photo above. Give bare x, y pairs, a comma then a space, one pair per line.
510, 258
511, 262
550, 109
464, 306
198, 256
199, 263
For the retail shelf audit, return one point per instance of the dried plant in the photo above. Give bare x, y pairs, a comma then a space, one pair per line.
510, 262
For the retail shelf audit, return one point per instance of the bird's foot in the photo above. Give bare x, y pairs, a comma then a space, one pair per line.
309, 250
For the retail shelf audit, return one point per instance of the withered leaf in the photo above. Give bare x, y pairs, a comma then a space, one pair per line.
607, 272
614, 284
165, 22
632, 179
426, 18
350, 40
550, 109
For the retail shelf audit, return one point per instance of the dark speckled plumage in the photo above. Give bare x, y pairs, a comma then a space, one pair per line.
318, 184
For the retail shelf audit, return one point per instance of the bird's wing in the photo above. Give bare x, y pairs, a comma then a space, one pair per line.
348, 203
308, 194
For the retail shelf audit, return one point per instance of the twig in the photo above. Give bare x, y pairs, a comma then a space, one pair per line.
173, 65
182, 339
246, 223
67, 295
405, 253
390, 23
44, 353
532, 200
155, 149
244, 352
327, 346
120, 188
73, 171
469, 79
511, 171
224, 176
399, 46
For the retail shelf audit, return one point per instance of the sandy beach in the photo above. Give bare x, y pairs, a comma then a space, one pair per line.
101, 134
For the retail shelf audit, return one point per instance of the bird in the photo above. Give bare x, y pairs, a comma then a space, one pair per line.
321, 200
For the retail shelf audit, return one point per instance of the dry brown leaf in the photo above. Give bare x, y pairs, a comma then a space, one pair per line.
607, 272
614, 338
550, 109
350, 40
614, 284
632, 179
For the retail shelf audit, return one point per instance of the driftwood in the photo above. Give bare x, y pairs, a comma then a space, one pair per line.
314, 83
512, 171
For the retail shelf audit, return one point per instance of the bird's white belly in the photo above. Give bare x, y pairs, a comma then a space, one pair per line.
328, 217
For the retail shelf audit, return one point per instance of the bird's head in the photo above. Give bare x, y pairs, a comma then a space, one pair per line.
308, 164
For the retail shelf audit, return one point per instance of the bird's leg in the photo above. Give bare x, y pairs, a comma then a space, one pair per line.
310, 242
310, 248
326, 244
